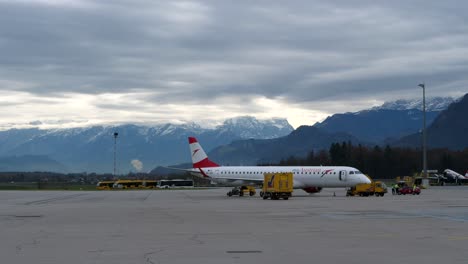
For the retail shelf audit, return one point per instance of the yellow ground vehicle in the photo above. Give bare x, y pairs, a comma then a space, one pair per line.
105, 185
365, 189
128, 184
277, 185
149, 184
250, 190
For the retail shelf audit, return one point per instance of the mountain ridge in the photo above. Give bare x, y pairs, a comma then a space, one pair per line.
92, 148
298, 143
241, 141
387, 122
432, 104
448, 130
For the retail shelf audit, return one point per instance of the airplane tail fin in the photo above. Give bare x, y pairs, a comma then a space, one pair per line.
199, 157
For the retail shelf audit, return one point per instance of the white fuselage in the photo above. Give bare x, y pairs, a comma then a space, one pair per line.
454, 175
304, 177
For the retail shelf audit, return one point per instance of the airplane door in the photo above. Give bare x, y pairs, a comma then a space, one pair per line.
216, 173
342, 176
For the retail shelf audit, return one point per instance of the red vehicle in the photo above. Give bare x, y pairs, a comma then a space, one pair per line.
409, 190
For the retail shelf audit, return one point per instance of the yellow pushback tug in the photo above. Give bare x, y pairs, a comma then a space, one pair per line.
376, 188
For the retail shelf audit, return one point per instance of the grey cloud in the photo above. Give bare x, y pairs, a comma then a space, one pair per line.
194, 51
35, 123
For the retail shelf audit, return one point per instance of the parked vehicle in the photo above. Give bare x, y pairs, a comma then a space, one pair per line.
404, 188
377, 188
176, 183
409, 190
105, 185
277, 185
241, 190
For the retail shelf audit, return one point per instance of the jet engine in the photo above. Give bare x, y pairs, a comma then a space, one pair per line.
312, 189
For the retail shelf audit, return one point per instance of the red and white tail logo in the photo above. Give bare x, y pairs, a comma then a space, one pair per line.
199, 157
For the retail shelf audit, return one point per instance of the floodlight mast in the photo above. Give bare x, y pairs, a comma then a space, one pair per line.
423, 86
115, 151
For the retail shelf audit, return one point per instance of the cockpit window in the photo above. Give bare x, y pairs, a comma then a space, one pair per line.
357, 172
351, 172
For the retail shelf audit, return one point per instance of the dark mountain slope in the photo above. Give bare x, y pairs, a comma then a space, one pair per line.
449, 129
299, 143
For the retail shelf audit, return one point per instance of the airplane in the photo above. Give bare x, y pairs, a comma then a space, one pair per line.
309, 178
455, 175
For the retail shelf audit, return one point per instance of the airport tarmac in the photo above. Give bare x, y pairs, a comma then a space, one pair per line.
206, 226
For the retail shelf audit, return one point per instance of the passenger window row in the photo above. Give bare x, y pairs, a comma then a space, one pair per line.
261, 172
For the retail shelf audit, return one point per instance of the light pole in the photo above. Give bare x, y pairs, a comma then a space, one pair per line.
423, 86
115, 150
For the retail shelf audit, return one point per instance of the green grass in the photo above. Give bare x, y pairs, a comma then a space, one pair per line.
29, 186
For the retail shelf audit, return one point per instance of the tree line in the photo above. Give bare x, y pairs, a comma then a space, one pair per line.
383, 162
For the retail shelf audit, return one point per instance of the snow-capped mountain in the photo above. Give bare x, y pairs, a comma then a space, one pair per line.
448, 130
250, 127
390, 121
432, 104
91, 149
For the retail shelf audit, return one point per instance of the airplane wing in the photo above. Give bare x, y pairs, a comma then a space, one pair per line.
179, 169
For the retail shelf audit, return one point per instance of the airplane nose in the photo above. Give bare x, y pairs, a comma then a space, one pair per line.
364, 179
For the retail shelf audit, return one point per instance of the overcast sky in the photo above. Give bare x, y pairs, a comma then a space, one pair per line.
81, 62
